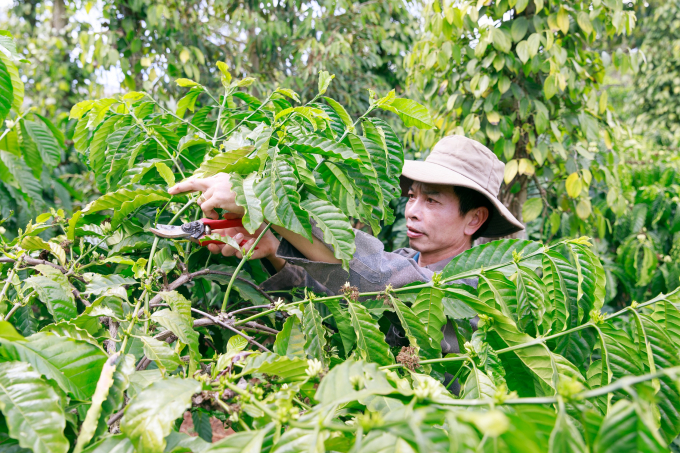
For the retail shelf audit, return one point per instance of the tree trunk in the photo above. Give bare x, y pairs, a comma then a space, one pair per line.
514, 202
58, 15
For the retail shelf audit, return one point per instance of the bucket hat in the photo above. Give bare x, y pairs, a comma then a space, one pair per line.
460, 161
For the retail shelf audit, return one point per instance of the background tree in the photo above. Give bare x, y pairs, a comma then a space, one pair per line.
524, 77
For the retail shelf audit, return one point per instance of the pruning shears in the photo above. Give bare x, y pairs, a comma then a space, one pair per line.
198, 231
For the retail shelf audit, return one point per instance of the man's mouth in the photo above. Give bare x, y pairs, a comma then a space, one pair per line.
413, 233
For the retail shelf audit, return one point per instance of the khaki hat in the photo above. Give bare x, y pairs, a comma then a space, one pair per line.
459, 161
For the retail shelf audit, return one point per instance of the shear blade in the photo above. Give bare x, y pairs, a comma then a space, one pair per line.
169, 231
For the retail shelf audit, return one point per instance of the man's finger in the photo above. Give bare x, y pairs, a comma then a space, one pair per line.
209, 205
190, 185
228, 250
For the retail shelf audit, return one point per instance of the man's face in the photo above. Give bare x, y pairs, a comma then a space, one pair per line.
433, 219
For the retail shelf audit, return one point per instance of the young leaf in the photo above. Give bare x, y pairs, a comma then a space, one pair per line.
149, 416
235, 161
410, 112
32, 409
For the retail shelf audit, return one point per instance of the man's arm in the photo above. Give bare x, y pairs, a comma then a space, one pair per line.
217, 193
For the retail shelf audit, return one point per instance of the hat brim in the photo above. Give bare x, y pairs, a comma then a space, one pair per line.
502, 222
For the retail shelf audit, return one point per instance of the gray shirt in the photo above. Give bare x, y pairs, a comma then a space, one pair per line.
371, 269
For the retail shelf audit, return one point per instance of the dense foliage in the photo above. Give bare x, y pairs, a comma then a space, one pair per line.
110, 334
524, 77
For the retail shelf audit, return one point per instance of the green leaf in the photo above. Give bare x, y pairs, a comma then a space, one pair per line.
6, 90
536, 358
343, 323
315, 334
324, 80
371, 344
288, 210
429, 310
410, 112
32, 409
178, 303
74, 365
591, 280
243, 442
565, 437
487, 255
244, 188
150, 415
55, 291
140, 170
502, 41
519, 28
160, 352
125, 201
121, 380
91, 421
561, 281
337, 231
50, 152
179, 325
23, 176
416, 332
275, 365
341, 112
313, 144
97, 154
495, 290
17, 83
234, 161
628, 428
290, 341
532, 209
188, 102
531, 300
81, 108
478, 385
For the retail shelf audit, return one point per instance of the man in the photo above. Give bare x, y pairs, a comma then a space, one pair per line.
452, 201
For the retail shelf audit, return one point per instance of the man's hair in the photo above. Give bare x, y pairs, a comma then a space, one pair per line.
469, 199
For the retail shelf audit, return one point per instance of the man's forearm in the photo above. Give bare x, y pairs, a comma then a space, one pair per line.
314, 251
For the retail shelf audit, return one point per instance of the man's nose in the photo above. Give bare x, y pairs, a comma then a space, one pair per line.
413, 209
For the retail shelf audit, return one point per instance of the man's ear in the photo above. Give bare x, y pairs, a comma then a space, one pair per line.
475, 219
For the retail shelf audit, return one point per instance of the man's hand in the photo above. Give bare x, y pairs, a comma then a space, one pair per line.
266, 248
217, 193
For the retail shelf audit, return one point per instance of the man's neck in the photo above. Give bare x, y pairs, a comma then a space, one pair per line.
435, 256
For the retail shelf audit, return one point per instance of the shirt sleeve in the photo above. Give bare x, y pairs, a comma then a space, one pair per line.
371, 267
292, 276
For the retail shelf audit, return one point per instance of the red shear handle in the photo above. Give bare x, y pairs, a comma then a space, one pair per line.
222, 223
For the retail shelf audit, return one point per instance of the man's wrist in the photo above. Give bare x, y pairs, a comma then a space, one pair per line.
277, 262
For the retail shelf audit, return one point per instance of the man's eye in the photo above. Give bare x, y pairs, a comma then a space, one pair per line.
431, 200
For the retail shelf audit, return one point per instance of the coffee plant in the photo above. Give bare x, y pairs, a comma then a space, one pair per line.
109, 335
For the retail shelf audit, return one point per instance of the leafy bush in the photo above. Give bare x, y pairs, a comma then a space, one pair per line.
110, 334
